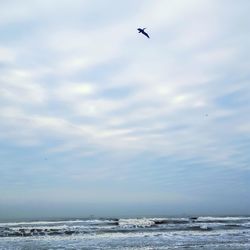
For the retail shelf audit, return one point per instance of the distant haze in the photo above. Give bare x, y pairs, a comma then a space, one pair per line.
98, 120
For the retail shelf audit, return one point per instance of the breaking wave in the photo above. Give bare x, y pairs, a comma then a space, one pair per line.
99, 226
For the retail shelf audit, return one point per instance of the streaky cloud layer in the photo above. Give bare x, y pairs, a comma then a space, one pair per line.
89, 109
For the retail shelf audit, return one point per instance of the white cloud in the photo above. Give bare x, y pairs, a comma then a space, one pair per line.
20, 86
7, 55
71, 91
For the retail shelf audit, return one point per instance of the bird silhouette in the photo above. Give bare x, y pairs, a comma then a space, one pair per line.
143, 32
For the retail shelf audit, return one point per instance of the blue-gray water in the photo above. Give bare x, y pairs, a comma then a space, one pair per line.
144, 233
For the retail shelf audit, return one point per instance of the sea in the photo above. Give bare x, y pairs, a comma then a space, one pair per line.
206, 233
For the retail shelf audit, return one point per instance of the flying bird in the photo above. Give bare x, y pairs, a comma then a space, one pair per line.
143, 32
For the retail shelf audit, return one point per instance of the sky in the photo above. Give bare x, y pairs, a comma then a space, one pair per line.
96, 119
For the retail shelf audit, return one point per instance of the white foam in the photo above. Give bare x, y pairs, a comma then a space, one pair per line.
12, 224
247, 224
222, 218
144, 222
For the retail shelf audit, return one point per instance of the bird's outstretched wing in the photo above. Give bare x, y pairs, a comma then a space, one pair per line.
146, 34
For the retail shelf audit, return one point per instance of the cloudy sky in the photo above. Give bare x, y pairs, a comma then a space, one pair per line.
98, 119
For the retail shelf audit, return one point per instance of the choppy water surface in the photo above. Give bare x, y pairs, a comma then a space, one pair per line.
145, 233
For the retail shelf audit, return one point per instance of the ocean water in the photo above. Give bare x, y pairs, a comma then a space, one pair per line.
231, 233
